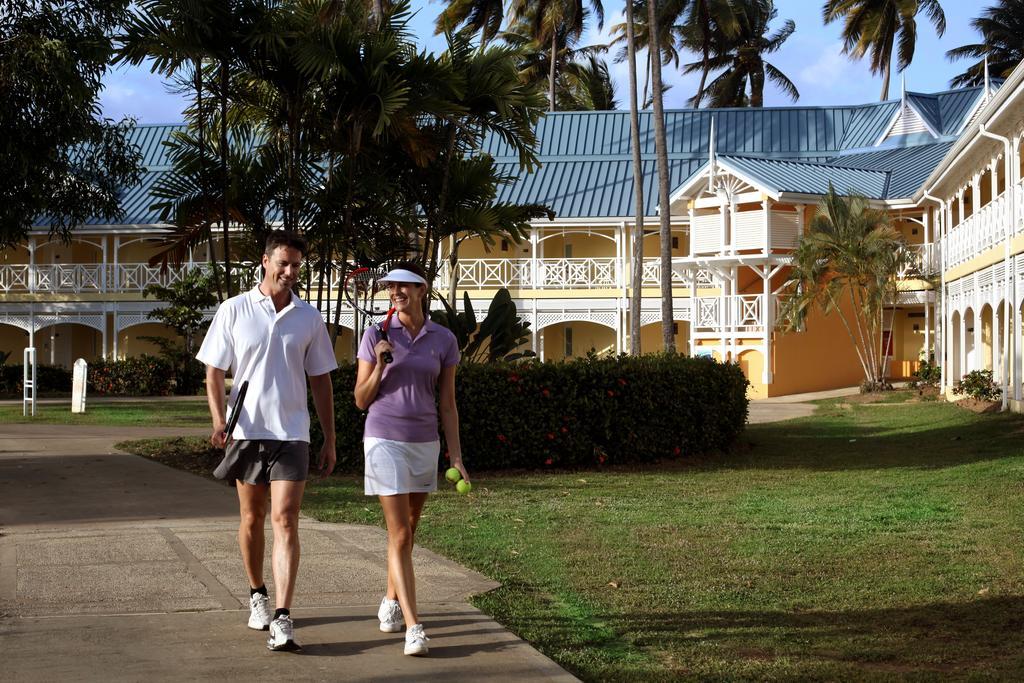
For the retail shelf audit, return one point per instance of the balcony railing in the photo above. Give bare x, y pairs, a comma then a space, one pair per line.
924, 262
579, 273
742, 314
981, 231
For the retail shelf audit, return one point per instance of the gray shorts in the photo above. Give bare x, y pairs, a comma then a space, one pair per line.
262, 461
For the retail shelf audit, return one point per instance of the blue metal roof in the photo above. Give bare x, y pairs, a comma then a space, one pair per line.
805, 178
586, 163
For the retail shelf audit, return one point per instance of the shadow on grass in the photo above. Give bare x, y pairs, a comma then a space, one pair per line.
984, 636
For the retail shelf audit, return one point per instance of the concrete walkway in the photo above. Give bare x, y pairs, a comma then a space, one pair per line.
113, 567
780, 408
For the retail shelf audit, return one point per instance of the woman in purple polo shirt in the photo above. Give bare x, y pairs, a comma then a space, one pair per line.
400, 440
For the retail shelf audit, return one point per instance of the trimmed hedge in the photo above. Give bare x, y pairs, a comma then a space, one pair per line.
581, 413
49, 379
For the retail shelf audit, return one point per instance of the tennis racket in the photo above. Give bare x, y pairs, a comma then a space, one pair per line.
236, 410
372, 299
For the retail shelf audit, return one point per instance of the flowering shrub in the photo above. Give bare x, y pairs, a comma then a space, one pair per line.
978, 384
138, 376
587, 412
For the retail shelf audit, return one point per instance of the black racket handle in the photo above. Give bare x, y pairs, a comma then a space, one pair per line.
387, 357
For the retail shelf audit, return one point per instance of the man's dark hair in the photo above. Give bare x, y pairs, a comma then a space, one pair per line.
285, 238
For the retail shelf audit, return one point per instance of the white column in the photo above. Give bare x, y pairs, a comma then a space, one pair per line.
975, 194
533, 256
769, 322
31, 264
103, 276
997, 356
115, 331
534, 342
766, 205
928, 331
117, 269
975, 360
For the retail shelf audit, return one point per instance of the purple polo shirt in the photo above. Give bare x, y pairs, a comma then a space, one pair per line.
404, 409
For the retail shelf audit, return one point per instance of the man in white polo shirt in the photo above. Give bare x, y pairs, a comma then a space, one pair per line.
273, 340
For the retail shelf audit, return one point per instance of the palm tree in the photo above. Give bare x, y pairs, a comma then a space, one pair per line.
741, 57
1001, 27
480, 16
586, 86
847, 263
637, 267
696, 24
872, 27
641, 40
664, 173
174, 34
555, 23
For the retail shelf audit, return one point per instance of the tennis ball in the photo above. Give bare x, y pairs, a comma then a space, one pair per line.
463, 486
453, 475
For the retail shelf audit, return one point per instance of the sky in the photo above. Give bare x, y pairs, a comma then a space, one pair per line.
812, 58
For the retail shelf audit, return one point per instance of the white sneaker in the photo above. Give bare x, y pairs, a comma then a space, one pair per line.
260, 614
390, 616
282, 635
416, 641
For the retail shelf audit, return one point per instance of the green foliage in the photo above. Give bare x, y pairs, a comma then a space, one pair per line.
589, 412
60, 160
928, 374
496, 338
140, 376
978, 384
49, 379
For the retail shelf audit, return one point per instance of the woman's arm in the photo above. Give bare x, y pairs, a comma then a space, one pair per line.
450, 419
369, 374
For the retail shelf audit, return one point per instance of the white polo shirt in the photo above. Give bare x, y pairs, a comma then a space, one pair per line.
274, 351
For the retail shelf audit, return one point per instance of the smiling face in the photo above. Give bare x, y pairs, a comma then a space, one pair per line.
282, 270
406, 297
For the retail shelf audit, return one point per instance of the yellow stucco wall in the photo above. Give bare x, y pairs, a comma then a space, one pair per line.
14, 340
650, 337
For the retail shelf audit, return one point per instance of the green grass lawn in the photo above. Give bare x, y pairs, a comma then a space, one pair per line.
128, 413
866, 542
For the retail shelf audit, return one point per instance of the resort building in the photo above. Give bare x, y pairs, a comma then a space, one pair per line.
745, 183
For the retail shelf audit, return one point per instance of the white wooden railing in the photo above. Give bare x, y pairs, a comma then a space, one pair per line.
924, 261
980, 231
743, 313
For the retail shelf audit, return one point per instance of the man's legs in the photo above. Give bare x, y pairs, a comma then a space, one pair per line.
252, 504
285, 500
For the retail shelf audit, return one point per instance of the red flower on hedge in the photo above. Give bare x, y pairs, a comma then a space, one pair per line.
545, 392
611, 393
513, 377
676, 451
565, 430
601, 459
548, 461
551, 436
502, 438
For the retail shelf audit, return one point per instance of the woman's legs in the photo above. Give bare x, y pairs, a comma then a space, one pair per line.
416, 502
402, 513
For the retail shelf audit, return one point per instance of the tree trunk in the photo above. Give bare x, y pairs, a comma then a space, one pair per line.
637, 267
703, 77
647, 79
203, 182
885, 81
551, 74
453, 273
757, 89
661, 147
224, 170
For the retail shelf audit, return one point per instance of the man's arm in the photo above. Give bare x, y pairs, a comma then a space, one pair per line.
215, 398
323, 401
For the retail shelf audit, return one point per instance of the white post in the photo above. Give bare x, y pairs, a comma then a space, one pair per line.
28, 392
78, 384
767, 206
31, 264
768, 314
117, 271
533, 258
103, 271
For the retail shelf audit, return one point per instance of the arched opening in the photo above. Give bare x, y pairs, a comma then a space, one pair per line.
752, 364
13, 341
987, 350
131, 344
62, 344
574, 338
970, 362
956, 333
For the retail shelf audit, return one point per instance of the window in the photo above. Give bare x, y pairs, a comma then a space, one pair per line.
568, 342
675, 242
675, 326
568, 251
504, 245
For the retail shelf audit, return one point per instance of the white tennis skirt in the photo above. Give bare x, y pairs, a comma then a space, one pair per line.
396, 467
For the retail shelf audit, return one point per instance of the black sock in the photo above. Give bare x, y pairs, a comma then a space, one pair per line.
261, 589
281, 612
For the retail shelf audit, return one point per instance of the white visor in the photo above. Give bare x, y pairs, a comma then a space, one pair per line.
402, 275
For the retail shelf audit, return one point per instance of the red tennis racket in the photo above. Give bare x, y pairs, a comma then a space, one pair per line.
372, 299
